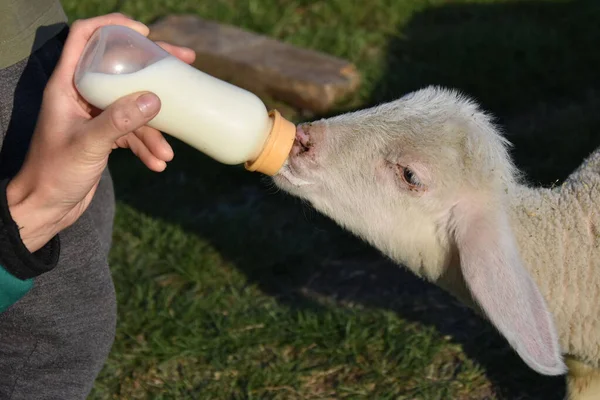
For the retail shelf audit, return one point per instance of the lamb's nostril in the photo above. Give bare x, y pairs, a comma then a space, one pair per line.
302, 144
302, 135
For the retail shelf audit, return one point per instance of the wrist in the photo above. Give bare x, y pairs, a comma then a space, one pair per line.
39, 252
38, 222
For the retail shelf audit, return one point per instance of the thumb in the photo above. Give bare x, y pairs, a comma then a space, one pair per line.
120, 118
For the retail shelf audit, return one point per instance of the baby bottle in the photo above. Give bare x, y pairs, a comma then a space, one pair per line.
225, 122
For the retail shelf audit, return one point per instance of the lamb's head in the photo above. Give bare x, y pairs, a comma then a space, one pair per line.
427, 179
395, 174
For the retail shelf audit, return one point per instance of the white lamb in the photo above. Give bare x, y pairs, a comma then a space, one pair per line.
427, 179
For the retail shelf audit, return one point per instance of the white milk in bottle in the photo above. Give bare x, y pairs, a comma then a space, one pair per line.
227, 123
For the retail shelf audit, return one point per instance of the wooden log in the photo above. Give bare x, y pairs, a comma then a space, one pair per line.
303, 78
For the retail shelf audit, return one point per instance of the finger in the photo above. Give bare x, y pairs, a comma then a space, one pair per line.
122, 142
80, 33
155, 142
125, 115
143, 153
185, 54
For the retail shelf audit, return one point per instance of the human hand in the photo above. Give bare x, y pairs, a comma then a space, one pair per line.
72, 142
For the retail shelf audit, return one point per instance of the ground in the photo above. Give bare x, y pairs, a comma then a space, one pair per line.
228, 289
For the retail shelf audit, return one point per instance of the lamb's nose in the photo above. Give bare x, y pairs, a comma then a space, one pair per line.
302, 144
302, 134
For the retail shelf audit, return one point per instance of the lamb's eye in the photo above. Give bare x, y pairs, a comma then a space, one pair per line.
410, 178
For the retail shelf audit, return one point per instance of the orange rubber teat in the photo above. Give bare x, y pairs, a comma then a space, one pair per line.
277, 147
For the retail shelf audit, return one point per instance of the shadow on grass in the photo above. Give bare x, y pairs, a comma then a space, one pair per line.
533, 64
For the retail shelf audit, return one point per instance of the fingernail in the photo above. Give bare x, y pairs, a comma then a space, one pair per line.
167, 151
148, 104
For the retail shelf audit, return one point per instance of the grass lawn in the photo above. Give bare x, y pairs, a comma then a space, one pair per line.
230, 290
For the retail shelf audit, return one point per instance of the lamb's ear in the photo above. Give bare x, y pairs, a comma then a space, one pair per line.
506, 293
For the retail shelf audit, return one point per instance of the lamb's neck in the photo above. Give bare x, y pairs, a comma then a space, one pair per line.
580, 191
558, 234
549, 224
537, 222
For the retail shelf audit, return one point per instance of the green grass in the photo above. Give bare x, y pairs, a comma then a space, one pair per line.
230, 290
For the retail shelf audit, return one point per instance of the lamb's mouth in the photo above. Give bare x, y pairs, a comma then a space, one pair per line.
287, 175
300, 153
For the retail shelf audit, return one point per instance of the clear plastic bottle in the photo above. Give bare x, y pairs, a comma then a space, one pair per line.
227, 123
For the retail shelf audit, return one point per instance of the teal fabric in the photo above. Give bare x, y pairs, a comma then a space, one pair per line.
12, 289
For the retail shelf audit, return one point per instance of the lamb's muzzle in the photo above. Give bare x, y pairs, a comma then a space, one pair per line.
301, 159
302, 144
